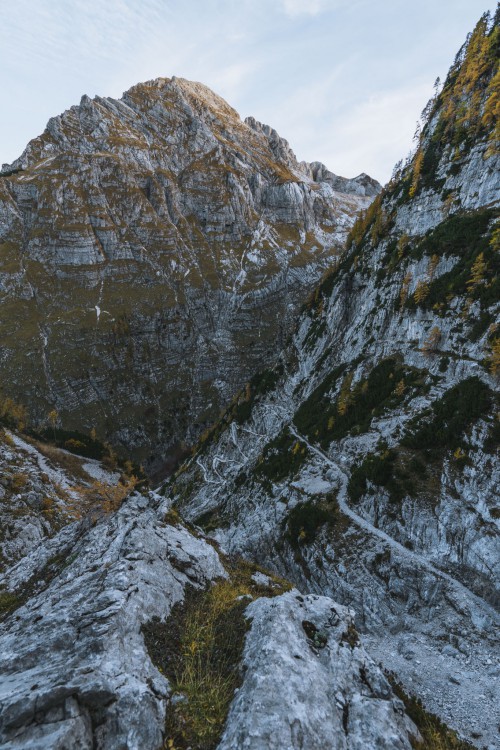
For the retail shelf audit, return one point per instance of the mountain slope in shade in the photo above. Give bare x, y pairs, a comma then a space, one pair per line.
366, 465
86, 650
153, 253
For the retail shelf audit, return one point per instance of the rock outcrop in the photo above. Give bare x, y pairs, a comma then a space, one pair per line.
154, 251
76, 672
362, 466
335, 696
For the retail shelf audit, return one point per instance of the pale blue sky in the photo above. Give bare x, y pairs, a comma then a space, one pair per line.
343, 80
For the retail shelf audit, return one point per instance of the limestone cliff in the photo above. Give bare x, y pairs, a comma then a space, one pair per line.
154, 251
359, 465
87, 642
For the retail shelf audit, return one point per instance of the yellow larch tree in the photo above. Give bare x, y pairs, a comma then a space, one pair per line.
430, 345
417, 168
478, 272
494, 358
421, 291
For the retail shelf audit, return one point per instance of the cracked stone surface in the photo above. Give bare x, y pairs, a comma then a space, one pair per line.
306, 685
75, 670
421, 571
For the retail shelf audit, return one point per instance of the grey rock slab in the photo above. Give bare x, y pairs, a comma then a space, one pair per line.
306, 686
73, 661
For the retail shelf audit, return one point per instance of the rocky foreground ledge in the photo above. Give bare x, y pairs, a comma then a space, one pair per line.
77, 672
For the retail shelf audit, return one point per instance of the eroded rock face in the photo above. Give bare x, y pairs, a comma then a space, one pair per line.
42, 489
153, 253
309, 683
75, 670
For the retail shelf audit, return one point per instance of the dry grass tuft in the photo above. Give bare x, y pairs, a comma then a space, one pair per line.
199, 648
435, 734
68, 462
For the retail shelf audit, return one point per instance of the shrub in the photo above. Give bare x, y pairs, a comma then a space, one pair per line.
13, 414
104, 497
260, 384
281, 458
73, 441
325, 419
18, 482
443, 425
8, 602
74, 446
477, 270
305, 520
377, 469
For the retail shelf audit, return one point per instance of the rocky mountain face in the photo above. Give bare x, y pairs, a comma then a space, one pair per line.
154, 252
344, 510
365, 466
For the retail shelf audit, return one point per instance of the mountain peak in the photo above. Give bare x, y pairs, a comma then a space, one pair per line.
163, 206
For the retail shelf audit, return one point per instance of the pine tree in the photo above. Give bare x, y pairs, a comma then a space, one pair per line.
478, 271
400, 388
53, 417
494, 357
433, 264
417, 168
403, 294
468, 82
495, 240
402, 245
345, 395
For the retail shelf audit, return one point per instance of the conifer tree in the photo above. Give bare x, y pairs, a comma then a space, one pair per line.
421, 291
431, 343
478, 271
494, 357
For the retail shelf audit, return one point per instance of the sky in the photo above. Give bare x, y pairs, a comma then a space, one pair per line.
344, 81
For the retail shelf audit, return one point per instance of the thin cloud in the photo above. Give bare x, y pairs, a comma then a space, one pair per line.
309, 68
377, 133
294, 8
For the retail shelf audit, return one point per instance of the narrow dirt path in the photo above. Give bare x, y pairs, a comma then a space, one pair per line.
411, 557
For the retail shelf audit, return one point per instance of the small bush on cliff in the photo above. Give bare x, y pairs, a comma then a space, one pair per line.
281, 458
306, 519
324, 419
444, 423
